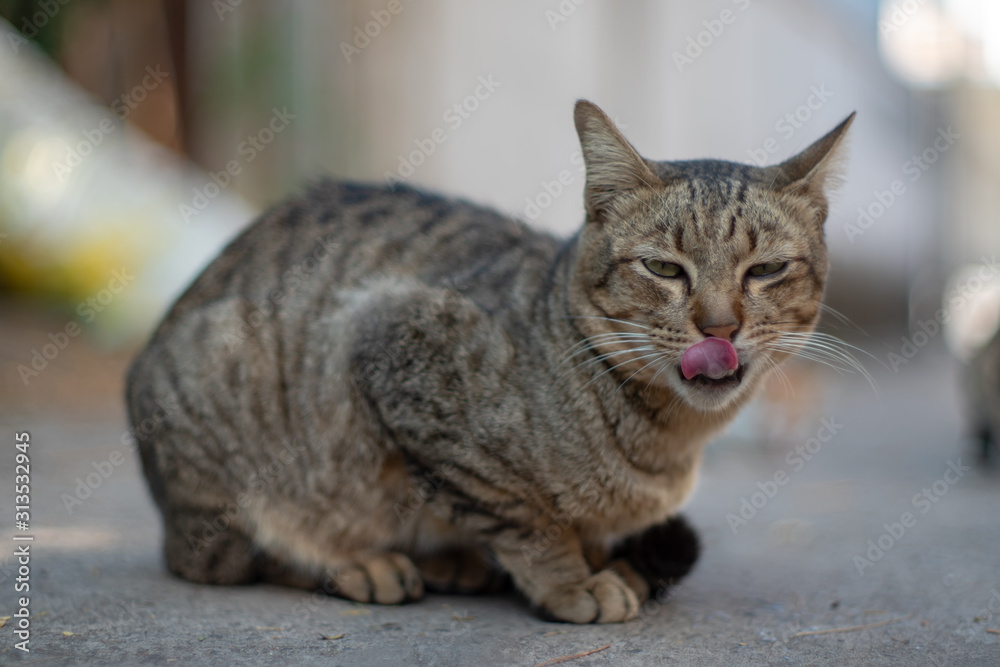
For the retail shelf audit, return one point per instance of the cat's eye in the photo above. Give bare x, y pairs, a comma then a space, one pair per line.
767, 269
663, 269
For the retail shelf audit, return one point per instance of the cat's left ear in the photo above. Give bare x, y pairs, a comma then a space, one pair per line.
815, 170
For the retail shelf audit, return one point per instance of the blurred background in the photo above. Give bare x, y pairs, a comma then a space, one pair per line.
138, 136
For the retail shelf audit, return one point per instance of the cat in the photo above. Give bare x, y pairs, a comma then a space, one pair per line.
377, 390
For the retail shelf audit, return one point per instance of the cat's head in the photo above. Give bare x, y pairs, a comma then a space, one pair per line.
699, 276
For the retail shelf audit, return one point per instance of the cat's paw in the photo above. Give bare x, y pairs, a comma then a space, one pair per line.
388, 578
603, 598
632, 579
462, 571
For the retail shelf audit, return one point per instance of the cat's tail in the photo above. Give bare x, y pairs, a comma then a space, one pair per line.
663, 554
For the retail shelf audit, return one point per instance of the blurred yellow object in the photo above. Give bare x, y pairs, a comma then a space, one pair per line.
90, 208
72, 271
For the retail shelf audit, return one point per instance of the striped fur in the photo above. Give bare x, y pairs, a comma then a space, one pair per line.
373, 381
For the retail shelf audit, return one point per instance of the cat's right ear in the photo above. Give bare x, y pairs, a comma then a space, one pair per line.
613, 165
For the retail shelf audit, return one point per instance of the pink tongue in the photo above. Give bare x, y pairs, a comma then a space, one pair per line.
712, 357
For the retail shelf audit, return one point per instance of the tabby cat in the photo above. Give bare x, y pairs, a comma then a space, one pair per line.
379, 391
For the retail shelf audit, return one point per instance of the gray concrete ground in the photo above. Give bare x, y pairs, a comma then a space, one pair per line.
100, 595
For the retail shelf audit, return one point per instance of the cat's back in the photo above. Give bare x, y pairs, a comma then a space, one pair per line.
275, 313
338, 234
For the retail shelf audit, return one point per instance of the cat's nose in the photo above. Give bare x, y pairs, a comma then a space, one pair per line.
725, 331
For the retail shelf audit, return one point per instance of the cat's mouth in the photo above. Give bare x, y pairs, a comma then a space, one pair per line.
729, 381
712, 363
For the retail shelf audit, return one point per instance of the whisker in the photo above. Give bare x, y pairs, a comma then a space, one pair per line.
609, 319
831, 349
826, 361
670, 408
645, 356
824, 349
664, 365
832, 339
607, 355
659, 193
644, 367
597, 359
773, 365
605, 339
840, 316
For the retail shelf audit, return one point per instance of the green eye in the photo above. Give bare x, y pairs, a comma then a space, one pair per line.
767, 269
663, 269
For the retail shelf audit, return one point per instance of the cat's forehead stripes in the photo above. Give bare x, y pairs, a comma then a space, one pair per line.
698, 213
709, 171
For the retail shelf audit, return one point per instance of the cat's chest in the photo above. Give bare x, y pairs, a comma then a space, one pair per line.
643, 484
643, 500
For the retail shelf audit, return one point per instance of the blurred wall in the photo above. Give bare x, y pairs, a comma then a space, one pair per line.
475, 99
745, 80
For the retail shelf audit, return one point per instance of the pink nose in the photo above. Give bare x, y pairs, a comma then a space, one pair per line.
724, 331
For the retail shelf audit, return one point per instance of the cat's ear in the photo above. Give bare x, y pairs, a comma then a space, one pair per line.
814, 171
613, 166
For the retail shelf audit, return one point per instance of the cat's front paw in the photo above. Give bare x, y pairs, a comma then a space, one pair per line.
388, 578
603, 598
632, 579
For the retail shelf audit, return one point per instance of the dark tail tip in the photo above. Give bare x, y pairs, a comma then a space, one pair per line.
663, 554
